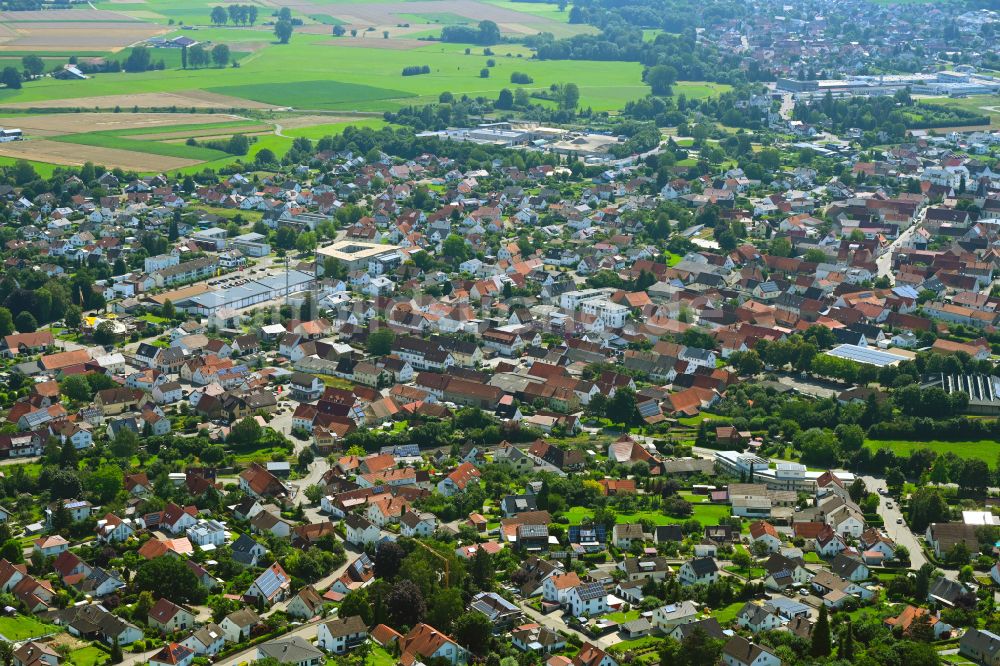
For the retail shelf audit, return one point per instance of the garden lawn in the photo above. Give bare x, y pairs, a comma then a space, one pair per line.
812, 558
378, 656
88, 656
22, 627
707, 514
727, 614
621, 617
983, 449
262, 454
693, 421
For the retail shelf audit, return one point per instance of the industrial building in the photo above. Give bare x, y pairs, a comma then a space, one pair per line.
866, 355
983, 390
244, 293
950, 83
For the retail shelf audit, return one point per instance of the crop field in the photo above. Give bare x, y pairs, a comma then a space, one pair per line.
56, 124
307, 88
309, 74
983, 449
61, 152
72, 29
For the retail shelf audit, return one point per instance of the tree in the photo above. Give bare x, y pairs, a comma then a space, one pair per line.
184, 57
926, 506
472, 630
894, 480
125, 444
198, 56
169, 577
339, 30
445, 607
406, 604
388, 559
845, 650
139, 60
76, 388
483, 570
73, 318
570, 96
857, 490
283, 30
104, 334
356, 603
33, 65
105, 482
219, 15
506, 99
25, 322
621, 408
11, 78
220, 55
306, 242
380, 341
975, 477
246, 432
251, 14
454, 248
661, 79
820, 644
265, 156
741, 559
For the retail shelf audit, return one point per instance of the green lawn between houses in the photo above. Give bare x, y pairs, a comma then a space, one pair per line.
983, 449
706, 514
22, 627
727, 614
88, 656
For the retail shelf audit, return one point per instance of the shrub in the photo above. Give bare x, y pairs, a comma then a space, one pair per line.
521, 77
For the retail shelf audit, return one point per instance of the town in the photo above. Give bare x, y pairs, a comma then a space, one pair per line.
710, 379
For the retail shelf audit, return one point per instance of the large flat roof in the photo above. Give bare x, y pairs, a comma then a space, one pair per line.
866, 355
350, 250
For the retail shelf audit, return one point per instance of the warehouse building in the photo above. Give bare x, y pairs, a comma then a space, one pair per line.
242, 294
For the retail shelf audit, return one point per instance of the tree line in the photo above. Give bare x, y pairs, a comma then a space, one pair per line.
236, 14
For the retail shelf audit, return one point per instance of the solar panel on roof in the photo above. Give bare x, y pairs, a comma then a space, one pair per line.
269, 582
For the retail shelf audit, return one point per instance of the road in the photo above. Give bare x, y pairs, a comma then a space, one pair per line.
900, 533
884, 260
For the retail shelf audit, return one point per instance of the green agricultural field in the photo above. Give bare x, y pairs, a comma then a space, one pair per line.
319, 131
983, 449
543, 9
152, 147
310, 95
313, 72
44, 169
988, 105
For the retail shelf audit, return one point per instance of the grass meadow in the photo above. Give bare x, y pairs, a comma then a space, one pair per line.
983, 449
